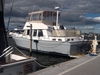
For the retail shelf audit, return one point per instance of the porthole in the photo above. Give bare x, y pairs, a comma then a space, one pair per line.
68, 39
72, 39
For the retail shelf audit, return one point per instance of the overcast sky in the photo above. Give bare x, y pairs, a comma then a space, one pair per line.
73, 12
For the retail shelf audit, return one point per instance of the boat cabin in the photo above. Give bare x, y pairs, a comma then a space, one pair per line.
44, 26
42, 23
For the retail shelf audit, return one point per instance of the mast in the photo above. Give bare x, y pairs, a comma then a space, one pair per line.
3, 38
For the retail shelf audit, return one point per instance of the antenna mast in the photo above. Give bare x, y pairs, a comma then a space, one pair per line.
57, 8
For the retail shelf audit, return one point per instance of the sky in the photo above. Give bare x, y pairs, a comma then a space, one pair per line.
81, 14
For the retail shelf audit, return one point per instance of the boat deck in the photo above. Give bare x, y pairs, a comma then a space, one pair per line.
86, 65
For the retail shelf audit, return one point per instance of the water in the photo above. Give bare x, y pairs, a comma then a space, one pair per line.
42, 58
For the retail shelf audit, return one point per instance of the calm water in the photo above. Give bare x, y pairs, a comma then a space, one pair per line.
42, 58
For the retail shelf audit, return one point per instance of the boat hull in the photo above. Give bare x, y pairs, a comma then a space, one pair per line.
67, 48
18, 65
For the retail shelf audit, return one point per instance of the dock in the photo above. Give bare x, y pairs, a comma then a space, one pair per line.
86, 65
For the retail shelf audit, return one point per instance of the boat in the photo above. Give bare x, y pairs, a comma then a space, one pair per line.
16, 30
48, 35
11, 63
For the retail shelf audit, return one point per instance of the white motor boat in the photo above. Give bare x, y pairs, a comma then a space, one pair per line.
47, 35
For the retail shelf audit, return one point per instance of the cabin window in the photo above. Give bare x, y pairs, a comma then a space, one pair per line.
49, 16
40, 33
36, 17
35, 32
28, 32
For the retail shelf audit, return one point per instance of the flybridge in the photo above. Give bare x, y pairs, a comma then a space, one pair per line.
48, 17
44, 19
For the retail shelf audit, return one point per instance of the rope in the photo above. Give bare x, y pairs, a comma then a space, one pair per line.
10, 15
21, 52
40, 64
34, 60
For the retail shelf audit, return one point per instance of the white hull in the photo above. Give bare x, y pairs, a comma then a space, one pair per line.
18, 66
68, 48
